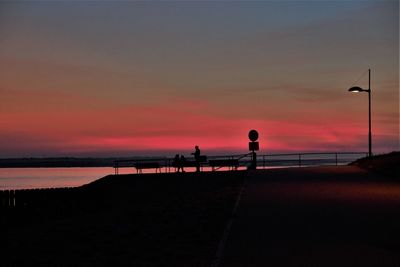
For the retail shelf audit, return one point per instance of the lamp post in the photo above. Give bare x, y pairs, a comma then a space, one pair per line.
357, 89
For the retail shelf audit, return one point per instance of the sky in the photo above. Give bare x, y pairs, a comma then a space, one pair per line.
121, 78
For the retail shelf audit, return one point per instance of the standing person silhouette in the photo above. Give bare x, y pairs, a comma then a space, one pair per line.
197, 157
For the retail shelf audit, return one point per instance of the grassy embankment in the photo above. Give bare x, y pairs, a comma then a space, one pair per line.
387, 164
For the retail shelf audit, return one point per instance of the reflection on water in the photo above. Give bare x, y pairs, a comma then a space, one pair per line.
25, 178
28, 178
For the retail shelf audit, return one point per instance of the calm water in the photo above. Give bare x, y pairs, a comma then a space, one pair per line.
24, 178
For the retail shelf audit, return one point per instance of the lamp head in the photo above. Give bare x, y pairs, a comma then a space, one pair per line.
356, 89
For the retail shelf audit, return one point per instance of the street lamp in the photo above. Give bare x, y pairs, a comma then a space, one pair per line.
357, 89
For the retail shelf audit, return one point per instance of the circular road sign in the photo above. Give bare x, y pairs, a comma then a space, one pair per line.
253, 135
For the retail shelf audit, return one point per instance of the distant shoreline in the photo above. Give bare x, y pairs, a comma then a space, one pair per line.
58, 162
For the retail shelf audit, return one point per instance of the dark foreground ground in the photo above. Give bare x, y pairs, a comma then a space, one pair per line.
317, 216
126, 220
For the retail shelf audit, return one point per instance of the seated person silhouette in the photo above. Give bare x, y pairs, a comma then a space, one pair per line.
179, 162
176, 162
182, 163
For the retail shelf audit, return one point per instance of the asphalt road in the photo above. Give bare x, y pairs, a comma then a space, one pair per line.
318, 216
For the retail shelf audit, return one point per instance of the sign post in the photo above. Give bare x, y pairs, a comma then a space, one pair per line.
253, 146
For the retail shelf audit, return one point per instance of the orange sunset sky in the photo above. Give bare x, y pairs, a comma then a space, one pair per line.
102, 78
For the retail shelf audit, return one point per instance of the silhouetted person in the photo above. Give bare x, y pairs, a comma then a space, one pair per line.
197, 157
182, 162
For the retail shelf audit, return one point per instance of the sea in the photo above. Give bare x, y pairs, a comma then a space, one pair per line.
28, 178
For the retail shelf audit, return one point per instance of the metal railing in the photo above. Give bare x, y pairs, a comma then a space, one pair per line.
166, 164
309, 159
263, 161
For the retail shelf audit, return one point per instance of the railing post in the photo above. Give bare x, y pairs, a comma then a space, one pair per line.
336, 158
299, 160
263, 161
116, 167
